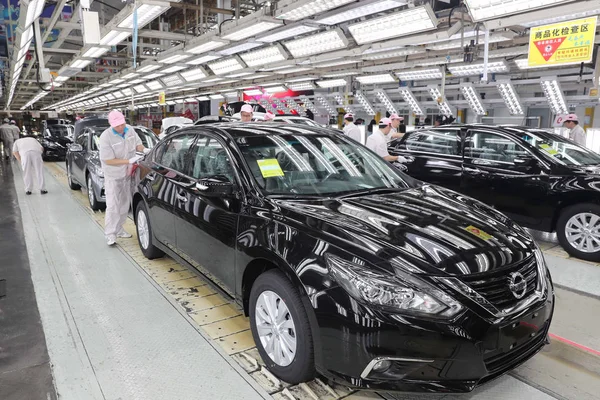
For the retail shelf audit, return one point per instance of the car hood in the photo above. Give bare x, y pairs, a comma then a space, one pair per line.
425, 229
63, 141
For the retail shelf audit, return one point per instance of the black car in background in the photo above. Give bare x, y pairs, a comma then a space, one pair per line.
83, 161
541, 180
345, 266
56, 140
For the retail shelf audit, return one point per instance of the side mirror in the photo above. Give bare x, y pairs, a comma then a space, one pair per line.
526, 161
218, 186
76, 148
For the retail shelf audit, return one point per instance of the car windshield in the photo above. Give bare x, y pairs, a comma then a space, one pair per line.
560, 149
319, 165
58, 131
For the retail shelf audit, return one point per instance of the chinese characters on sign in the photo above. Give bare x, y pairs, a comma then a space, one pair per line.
569, 42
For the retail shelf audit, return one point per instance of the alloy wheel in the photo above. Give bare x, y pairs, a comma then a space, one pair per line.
583, 232
143, 229
276, 328
90, 189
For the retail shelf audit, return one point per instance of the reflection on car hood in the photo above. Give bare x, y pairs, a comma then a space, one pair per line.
425, 229
63, 141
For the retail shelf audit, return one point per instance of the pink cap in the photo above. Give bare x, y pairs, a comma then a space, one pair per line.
115, 118
269, 116
396, 116
247, 108
349, 115
572, 117
385, 121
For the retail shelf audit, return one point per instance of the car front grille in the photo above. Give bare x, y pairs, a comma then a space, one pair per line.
494, 285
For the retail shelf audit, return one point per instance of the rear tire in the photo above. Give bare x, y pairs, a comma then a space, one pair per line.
287, 334
144, 233
578, 231
72, 184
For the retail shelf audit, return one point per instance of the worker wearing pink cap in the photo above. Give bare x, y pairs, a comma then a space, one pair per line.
576, 133
350, 129
269, 116
118, 146
397, 131
246, 113
378, 140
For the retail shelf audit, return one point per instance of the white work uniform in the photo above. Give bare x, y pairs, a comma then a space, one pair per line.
7, 138
378, 143
577, 135
117, 181
352, 131
32, 164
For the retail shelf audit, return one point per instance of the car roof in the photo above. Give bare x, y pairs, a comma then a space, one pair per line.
245, 129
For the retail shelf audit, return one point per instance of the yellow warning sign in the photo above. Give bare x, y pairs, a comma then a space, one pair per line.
478, 232
162, 99
569, 42
270, 168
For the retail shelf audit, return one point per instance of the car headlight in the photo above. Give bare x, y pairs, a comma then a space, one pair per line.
401, 293
47, 143
542, 267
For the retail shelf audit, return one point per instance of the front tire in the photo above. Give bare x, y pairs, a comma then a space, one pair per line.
281, 328
95, 205
578, 231
72, 184
144, 233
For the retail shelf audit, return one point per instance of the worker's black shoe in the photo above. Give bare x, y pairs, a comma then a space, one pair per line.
27, 193
44, 192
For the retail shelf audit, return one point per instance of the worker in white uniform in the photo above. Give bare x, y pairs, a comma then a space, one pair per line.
118, 146
246, 113
16, 130
395, 133
378, 141
576, 133
7, 137
28, 151
350, 129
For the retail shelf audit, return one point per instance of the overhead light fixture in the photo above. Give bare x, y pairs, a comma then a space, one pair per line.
365, 103
340, 74
95, 52
33, 11
297, 10
381, 55
174, 58
308, 104
205, 46
194, 74
253, 92
265, 56
154, 75
203, 98
154, 85
554, 95
227, 65
116, 81
510, 97
358, 11
80, 63
247, 30
458, 44
113, 38
240, 74
140, 89
216, 97
482, 10
239, 48
179, 101
417, 75
410, 98
171, 80
275, 89
136, 81
374, 79
146, 12
287, 33
130, 75
203, 59
335, 63
214, 80
473, 98
173, 69
402, 23
302, 79
332, 83
342, 103
326, 105
387, 102
318, 43
61, 78
149, 68
436, 95
477, 69
300, 86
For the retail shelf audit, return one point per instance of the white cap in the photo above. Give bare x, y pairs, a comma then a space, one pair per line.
247, 108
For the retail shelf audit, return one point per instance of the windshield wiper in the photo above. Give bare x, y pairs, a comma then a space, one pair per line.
371, 191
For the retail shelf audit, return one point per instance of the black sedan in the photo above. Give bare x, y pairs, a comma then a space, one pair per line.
83, 161
345, 266
55, 141
541, 180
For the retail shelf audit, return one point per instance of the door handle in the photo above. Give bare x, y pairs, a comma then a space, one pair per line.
482, 162
476, 171
181, 197
151, 177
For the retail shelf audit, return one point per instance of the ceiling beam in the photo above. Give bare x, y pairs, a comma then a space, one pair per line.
194, 7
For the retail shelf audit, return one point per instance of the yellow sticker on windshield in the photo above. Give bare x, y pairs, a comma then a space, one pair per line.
478, 232
548, 149
270, 168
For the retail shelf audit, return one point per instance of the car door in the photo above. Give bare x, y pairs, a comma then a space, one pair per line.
433, 155
491, 175
79, 157
161, 183
207, 226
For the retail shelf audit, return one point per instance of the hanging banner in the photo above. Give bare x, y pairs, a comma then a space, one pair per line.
162, 99
569, 42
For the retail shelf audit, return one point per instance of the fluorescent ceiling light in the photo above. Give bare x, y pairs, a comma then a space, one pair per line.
148, 68
226, 66
239, 48
202, 60
332, 83
191, 100
203, 98
110, 96
136, 81
116, 81
231, 95
305, 8
410, 98
433, 73
216, 96
194, 74
358, 11
510, 97
335, 63
171, 103
327, 105
241, 74
206, 46
340, 74
174, 58
154, 85
61, 79
34, 10
179, 101
554, 95
171, 80
287, 33
301, 86
458, 44
436, 95
130, 75
261, 76
145, 14
140, 89
318, 43
113, 38
302, 79
250, 30
80, 63
364, 102
392, 53
293, 70
473, 98
95, 52
154, 75
477, 69
482, 10
213, 80
406, 22
275, 89
172, 69
373, 79
253, 92
268, 55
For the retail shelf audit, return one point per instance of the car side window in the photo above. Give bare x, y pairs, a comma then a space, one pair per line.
493, 147
173, 154
209, 159
435, 141
83, 140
